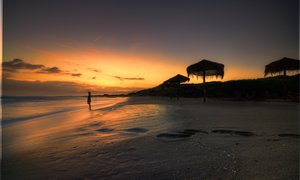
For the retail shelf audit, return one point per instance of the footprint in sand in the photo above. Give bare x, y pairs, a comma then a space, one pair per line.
289, 135
83, 134
95, 124
173, 136
273, 139
193, 131
179, 135
79, 135
105, 130
233, 132
81, 129
137, 130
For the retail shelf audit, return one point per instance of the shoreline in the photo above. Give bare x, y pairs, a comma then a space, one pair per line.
147, 96
158, 138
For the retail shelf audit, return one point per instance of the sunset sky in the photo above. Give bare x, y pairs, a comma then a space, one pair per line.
66, 47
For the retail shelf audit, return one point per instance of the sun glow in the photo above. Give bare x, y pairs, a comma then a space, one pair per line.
102, 67
110, 70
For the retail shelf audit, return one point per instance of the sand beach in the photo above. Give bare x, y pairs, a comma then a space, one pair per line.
150, 90
157, 138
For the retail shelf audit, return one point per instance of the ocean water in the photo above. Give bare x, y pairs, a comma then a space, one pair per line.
18, 109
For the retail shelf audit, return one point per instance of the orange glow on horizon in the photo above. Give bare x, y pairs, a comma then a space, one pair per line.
155, 68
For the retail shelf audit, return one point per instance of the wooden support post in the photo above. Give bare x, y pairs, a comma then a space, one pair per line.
204, 90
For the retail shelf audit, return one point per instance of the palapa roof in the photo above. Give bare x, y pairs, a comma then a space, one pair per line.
279, 66
211, 69
177, 79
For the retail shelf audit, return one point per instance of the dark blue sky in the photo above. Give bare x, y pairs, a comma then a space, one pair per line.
175, 27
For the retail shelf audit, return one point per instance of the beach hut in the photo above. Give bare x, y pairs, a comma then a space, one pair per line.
206, 68
175, 82
282, 65
177, 79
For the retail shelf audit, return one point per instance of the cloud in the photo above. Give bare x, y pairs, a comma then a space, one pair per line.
17, 64
57, 88
94, 70
76, 74
56, 70
126, 78
50, 70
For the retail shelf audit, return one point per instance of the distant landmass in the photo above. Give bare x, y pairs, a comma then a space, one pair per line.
110, 95
279, 87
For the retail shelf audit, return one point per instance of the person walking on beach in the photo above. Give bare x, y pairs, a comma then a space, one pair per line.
89, 100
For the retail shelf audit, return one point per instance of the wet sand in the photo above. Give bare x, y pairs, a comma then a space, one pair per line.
158, 138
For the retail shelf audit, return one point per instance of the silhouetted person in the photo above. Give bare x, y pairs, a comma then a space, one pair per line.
89, 100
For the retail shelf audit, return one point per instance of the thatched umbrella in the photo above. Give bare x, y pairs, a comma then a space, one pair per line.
206, 68
282, 65
176, 81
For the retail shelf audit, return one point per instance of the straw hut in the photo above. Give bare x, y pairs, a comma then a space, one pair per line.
177, 79
283, 65
206, 68
175, 82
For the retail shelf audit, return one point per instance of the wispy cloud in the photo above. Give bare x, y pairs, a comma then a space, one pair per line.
56, 70
50, 70
99, 37
76, 74
129, 78
16, 65
94, 70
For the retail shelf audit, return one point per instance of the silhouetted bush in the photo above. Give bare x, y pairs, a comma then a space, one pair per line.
280, 87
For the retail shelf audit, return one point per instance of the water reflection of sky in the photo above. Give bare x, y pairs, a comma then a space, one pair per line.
28, 108
81, 127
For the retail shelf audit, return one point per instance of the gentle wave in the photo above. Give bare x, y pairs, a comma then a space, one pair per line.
17, 109
19, 99
16, 120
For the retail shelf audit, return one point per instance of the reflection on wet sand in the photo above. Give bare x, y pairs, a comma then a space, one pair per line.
82, 127
157, 138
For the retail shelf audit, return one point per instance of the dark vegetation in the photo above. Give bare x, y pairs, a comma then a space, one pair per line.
279, 87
